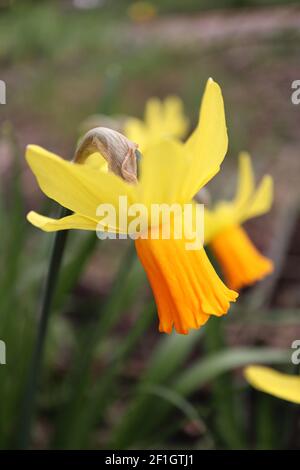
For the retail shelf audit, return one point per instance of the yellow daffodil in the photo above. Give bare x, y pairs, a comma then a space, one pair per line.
186, 287
265, 379
240, 261
162, 119
142, 11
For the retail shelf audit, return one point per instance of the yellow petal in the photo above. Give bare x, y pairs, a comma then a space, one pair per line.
77, 187
217, 220
286, 387
210, 225
163, 119
245, 185
248, 202
262, 199
135, 130
97, 162
151, 130
207, 146
153, 115
175, 121
162, 170
73, 221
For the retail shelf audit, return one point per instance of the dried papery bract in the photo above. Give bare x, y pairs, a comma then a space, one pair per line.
118, 151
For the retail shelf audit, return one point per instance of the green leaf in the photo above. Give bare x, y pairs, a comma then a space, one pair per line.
133, 430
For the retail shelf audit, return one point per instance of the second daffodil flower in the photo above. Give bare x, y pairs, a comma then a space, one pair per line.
186, 287
240, 261
162, 119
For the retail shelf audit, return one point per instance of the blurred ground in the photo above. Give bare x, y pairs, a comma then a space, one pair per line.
211, 28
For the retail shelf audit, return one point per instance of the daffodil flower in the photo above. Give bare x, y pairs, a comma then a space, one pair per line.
265, 379
185, 285
142, 11
162, 119
240, 261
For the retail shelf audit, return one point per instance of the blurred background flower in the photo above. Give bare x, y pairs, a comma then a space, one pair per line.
240, 262
284, 386
141, 11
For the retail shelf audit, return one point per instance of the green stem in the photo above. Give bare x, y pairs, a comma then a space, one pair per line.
28, 408
80, 377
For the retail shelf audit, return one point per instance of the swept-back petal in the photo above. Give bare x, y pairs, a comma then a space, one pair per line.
153, 115
247, 204
163, 119
80, 188
265, 379
245, 185
135, 130
207, 146
161, 171
174, 117
73, 221
262, 199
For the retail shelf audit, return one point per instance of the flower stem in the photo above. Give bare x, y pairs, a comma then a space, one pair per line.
29, 402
